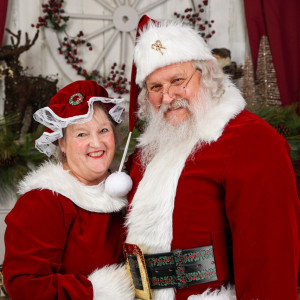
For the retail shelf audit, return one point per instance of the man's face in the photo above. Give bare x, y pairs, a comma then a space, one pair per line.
168, 84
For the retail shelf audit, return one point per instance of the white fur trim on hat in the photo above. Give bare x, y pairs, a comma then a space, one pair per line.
112, 283
165, 43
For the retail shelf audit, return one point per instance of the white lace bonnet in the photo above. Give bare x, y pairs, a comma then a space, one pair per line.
73, 104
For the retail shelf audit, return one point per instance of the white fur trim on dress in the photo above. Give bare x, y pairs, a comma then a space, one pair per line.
52, 176
225, 293
112, 283
153, 203
179, 43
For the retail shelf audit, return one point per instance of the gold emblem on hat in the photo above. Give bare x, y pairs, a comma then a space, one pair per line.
158, 47
76, 99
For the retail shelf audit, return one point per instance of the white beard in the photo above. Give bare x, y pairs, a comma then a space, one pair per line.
165, 149
160, 134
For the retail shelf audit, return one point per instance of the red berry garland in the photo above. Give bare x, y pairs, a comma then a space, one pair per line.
192, 17
69, 48
53, 16
116, 80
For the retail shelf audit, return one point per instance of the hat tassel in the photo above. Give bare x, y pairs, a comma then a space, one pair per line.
118, 184
125, 151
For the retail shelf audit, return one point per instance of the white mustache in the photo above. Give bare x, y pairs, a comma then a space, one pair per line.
178, 103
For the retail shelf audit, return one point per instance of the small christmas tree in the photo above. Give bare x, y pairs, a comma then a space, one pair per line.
248, 90
263, 99
24, 94
266, 83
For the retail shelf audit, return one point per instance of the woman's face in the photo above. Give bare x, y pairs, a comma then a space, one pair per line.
89, 148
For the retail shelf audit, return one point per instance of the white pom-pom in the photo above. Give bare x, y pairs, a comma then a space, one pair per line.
118, 184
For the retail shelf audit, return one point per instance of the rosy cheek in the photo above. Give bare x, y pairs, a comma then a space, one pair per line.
111, 139
79, 145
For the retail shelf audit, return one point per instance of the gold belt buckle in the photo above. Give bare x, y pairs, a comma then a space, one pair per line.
132, 249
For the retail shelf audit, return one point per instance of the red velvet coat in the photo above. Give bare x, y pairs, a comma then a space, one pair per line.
53, 244
239, 190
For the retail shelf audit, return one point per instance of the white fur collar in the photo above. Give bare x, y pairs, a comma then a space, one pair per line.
220, 113
153, 203
53, 177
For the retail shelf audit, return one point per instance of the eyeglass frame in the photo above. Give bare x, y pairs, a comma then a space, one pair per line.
167, 90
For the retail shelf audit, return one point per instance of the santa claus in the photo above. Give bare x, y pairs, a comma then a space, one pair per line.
214, 206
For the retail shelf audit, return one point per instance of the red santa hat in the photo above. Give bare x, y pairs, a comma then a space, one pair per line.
164, 43
159, 44
73, 104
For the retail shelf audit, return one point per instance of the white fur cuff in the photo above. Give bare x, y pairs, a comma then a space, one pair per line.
112, 283
225, 293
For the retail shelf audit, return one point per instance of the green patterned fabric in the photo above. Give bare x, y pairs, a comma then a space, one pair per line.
179, 268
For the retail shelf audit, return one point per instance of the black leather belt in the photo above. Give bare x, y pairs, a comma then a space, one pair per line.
176, 269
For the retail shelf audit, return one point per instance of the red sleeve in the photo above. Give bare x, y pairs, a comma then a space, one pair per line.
263, 211
36, 233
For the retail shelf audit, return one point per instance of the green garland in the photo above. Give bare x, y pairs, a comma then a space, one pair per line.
287, 122
17, 157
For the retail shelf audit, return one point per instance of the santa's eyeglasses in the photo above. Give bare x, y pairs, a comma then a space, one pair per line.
177, 87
